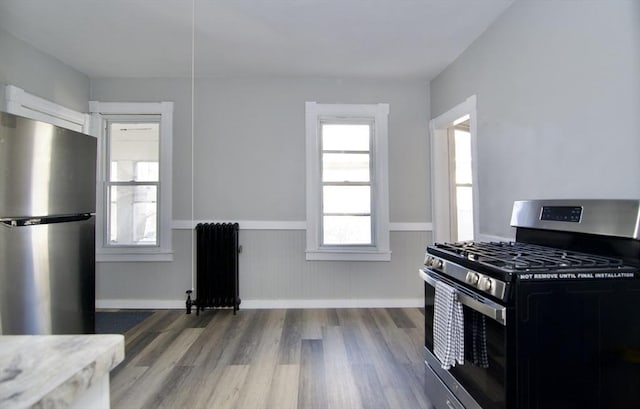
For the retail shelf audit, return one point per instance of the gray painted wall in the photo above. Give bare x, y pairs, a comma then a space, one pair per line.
249, 165
558, 90
273, 269
249, 142
40, 74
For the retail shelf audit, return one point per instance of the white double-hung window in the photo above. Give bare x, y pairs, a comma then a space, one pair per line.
347, 183
132, 181
133, 209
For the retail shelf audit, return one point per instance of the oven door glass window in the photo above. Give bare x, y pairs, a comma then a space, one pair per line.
483, 371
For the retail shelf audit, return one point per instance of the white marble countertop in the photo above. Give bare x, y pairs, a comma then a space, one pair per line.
51, 371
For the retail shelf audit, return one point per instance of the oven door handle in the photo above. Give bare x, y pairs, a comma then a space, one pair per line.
476, 302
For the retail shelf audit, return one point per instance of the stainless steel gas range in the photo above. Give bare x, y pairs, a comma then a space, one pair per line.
551, 320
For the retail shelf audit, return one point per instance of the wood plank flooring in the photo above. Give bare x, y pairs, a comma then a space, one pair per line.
280, 359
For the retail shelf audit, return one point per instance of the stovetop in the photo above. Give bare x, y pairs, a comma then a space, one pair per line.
505, 260
515, 256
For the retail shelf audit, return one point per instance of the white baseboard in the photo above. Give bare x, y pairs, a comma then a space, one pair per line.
348, 303
268, 304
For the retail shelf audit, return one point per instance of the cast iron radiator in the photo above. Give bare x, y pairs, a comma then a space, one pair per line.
216, 267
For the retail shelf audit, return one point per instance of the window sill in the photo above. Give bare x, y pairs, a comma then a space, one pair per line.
348, 255
134, 256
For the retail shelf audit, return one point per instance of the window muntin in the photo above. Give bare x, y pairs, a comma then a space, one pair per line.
132, 181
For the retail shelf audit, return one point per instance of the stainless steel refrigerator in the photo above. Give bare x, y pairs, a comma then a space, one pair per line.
47, 228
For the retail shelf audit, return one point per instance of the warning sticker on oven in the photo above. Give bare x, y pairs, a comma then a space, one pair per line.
574, 276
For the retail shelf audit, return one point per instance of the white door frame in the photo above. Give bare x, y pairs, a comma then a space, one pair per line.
440, 204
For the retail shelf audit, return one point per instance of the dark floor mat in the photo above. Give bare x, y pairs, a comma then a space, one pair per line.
119, 322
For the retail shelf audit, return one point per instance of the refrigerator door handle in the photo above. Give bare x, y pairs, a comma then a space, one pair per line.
34, 221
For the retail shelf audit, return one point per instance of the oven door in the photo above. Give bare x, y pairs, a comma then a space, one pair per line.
480, 381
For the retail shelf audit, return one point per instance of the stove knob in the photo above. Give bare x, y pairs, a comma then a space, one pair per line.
427, 260
472, 278
484, 284
435, 263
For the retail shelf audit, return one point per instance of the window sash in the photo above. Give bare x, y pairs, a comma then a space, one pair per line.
371, 242
360, 238
109, 219
134, 223
111, 181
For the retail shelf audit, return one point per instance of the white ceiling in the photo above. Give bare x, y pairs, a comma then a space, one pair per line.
319, 38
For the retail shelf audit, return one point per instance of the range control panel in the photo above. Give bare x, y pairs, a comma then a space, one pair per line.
572, 214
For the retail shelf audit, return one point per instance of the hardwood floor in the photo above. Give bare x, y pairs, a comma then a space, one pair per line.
329, 358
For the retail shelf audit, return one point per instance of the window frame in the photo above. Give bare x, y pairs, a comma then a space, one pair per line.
101, 114
377, 115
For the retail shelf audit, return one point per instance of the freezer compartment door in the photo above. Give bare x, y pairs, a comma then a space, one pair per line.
47, 278
44, 169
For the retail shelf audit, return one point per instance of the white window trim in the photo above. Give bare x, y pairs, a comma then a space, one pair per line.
164, 251
19, 102
379, 112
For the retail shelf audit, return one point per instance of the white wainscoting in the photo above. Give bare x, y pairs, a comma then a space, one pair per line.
275, 274
266, 304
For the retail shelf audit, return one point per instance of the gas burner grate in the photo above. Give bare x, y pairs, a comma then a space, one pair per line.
523, 257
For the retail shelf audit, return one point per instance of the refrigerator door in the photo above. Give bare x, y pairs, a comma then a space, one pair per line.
47, 277
44, 169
